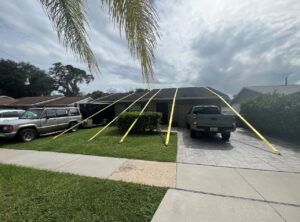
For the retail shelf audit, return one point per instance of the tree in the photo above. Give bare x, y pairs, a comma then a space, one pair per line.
66, 78
97, 94
13, 77
137, 18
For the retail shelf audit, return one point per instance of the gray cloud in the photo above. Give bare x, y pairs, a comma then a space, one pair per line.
224, 44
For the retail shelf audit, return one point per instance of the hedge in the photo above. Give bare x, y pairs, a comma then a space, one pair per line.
148, 121
274, 114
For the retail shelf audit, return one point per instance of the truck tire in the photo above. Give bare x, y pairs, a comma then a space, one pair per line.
193, 134
225, 136
27, 135
72, 124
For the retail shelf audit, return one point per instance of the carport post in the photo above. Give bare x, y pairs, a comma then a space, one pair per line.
93, 137
247, 123
91, 116
171, 118
136, 119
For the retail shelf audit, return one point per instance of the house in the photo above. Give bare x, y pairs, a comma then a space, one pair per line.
162, 102
250, 92
49, 101
6, 101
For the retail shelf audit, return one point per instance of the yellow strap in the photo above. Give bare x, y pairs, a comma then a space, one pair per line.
93, 137
246, 122
91, 116
136, 119
171, 119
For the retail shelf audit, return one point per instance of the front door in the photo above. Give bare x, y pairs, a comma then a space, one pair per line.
163, 109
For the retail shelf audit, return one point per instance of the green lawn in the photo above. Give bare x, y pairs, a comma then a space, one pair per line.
146, 147
36, 195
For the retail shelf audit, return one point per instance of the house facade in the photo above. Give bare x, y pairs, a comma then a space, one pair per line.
162, 102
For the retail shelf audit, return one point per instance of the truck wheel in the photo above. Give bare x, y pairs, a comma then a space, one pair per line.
225, 136
72, 125
193, 134
27, 135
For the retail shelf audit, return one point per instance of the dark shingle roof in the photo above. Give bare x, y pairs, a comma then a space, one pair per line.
281, 89
165, 94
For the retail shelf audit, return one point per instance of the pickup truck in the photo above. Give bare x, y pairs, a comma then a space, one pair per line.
207, 119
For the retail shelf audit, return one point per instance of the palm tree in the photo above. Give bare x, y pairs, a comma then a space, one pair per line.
137, 18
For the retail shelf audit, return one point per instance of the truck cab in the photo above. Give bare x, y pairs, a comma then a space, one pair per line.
208, 119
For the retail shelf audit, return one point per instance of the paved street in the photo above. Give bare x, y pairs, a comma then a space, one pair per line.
243, 150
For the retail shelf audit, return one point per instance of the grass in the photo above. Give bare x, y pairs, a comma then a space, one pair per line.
146, 147
35, 195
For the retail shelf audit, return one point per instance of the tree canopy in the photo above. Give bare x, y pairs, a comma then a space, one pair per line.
14, 75
66, 78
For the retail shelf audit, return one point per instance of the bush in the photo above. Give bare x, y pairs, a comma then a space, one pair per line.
274, 114
148, 121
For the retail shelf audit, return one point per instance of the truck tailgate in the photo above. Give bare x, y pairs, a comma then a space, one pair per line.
215, 120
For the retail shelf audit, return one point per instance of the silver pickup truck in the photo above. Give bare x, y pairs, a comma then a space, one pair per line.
208, 119
39, 121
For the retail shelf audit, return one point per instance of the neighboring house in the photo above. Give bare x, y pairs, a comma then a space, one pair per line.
250, 92
5, 101
186, 98
48, 101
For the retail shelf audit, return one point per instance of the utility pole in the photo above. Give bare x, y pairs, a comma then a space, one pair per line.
286, 80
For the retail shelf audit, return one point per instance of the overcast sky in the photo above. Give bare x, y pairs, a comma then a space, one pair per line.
225, 44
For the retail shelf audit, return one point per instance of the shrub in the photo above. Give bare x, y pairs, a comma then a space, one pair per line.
148, 121
274, 114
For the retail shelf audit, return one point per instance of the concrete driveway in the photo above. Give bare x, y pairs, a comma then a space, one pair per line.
244, 150
240, 180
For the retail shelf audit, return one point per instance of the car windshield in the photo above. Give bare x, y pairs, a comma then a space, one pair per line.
206, 110
31, 114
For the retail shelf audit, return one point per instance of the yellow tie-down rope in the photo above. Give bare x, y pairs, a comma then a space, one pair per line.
91, 116
171, 119
136, 119
247, 123
93, 137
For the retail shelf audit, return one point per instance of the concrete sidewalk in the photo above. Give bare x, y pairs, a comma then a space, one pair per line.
138, 171
210, 193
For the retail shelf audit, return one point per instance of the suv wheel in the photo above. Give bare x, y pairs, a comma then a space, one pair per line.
74, 129
27, 135
225, 136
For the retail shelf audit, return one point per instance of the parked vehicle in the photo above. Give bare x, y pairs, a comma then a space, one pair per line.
8, 114
40, 121
209, 120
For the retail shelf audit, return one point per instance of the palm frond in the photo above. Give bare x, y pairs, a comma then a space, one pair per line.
69, 20
139, 20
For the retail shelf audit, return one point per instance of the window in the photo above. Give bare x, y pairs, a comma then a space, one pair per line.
10, 114
206, 110
74, 112
61, 112
31, 114
51, 113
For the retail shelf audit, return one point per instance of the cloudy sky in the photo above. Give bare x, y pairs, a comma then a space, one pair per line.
225, 44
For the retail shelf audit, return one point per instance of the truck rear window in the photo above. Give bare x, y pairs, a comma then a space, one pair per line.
206, 110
